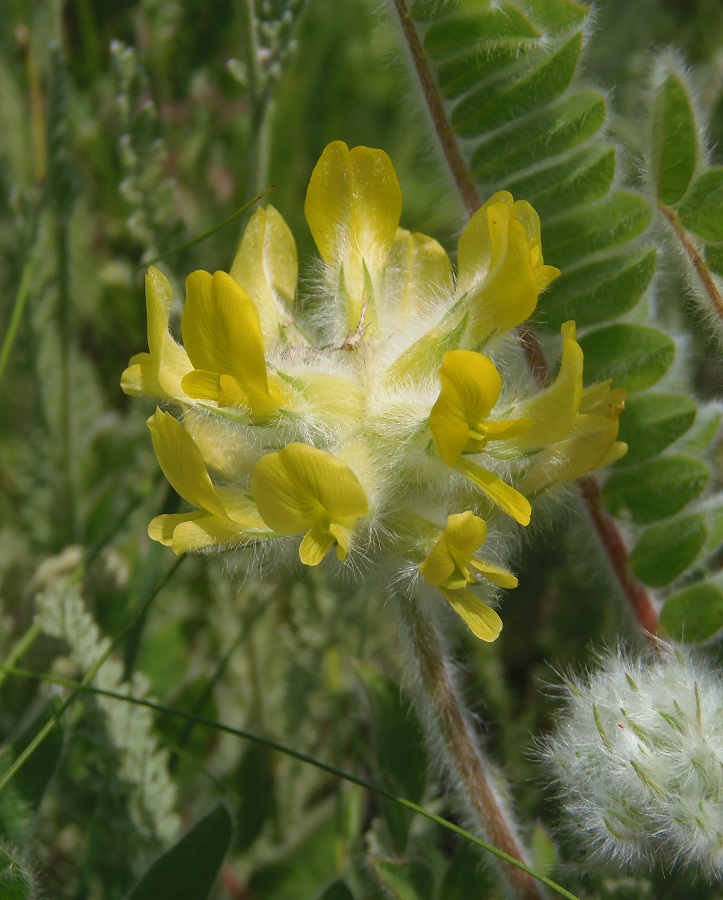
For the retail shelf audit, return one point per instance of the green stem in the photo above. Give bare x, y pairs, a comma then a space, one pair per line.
67, 436
450, 725
19, 650
21, 299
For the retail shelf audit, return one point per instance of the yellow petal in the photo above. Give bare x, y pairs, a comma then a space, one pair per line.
552, 411
471, 386
266, 267
302, 489
222, 334
159, 372
482, 620
353, 205
162, 527
500, 265
182, 463
510, 500
206, 531
496, 574
315, 545
416, 268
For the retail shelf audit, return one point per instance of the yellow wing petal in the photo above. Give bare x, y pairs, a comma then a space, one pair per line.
481, 619
510, 500
182, 463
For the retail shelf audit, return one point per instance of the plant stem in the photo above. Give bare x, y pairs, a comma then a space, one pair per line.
641, 604
696, 260
442, 127
24, 644
465, 761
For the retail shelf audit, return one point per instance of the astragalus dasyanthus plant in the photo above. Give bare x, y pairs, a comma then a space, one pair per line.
385, 418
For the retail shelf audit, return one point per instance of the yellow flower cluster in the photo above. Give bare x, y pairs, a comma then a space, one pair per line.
372, 423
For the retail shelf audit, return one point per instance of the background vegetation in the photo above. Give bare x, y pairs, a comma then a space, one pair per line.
129, 129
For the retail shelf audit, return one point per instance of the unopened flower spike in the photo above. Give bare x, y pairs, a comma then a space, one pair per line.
345, 436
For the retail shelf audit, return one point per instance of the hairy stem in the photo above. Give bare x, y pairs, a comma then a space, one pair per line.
637, 597
641, 605
442, 127
450, 724
696, 260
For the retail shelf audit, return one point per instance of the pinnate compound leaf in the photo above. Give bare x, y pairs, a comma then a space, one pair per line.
694, 614
189, 868
408, 880
652, 422
702, 208
596, 291
667, 549
656, 489
466, 876
674, 139
634, 356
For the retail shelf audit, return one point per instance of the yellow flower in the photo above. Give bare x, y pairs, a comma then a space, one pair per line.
222, 516
160, 372
222, 336
302, 490
459, 423
318, 426
450, 562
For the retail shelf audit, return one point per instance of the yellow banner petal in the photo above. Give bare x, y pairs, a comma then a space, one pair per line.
353, 205
481, 619
417, 268
266, 267
182, 463
222, 333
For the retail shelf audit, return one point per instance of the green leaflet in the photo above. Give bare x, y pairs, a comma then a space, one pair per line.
674, 139
14, 882
551, 130
594, 291
634, 356
702, 208
668, 549
694, 614
190, 867
652, 422
337, 890
483, 110
656, 489
407, 880
615, 220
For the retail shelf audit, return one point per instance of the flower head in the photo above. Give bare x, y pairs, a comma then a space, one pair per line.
381, 425
638, 761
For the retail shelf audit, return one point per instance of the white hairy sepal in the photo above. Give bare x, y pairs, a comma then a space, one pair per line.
637, 762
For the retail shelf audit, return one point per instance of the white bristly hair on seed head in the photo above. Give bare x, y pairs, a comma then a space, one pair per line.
637, 761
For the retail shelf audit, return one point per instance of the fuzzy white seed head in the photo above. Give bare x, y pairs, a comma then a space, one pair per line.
638, 761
